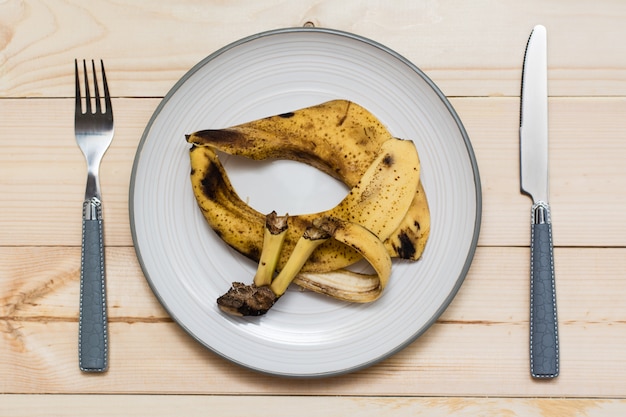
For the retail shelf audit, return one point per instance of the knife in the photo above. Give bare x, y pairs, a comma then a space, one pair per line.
544, 339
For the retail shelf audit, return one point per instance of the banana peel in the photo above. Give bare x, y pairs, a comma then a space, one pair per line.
338, 137
254, 300
378, 202
347, 142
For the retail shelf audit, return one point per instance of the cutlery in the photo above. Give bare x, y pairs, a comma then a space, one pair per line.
544, 340
94, 132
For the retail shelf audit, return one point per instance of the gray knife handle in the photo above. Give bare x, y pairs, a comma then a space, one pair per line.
92, 322
544, 339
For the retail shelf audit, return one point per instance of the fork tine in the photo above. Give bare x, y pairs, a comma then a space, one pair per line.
78, 102
95, 87
87, 94
105, 86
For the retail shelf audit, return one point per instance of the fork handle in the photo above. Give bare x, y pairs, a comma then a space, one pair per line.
92, 321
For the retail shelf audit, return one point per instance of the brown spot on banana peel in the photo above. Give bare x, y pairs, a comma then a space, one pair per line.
345, 115
409, 240
406, 249
228, 137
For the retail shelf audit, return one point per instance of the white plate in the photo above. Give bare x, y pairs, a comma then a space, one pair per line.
188, 266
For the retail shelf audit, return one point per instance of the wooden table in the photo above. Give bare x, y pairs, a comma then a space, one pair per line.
473, 361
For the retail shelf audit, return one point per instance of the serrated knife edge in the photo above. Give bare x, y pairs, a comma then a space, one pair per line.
534, 118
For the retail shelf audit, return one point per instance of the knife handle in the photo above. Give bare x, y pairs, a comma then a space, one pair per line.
544, 339
92, 321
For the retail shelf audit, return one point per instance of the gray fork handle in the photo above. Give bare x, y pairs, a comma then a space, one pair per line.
544, 340
92, 322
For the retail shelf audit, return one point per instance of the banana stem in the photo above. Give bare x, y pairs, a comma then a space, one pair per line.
308, 242
273, 238
253, 300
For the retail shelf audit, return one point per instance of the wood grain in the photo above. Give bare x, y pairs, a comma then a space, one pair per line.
43, 172
466, 54
449, 360
585, 170
305, 406
41, 283
586, 151
481, 337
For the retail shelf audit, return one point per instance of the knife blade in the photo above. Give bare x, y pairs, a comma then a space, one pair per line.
544, 340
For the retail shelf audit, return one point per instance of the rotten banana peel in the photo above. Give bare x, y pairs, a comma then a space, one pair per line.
338, 137
254, 300
386, 199
378, 202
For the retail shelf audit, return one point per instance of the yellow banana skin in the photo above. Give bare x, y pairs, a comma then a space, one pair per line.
338, 137
390, 181
350, 286
347, 285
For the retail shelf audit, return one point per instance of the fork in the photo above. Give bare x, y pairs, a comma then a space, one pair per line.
94, 133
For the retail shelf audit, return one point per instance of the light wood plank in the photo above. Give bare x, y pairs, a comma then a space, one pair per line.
41, 283
305, 406
468, 50
43, 186
478, 347
448, 360
43, 173
586, 173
